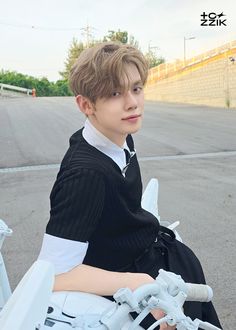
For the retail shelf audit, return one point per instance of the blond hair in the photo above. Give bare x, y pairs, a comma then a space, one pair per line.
101, 69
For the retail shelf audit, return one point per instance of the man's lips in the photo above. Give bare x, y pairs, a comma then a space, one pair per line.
131, 117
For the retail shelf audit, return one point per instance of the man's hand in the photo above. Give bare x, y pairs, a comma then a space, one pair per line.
158, 314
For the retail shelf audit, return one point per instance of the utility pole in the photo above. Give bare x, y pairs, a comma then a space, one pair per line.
185, 47
87, 33
229, 61
151, 47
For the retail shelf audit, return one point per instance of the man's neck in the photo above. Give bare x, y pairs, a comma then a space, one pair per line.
119, 140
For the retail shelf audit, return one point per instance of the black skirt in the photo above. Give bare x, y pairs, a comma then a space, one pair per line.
171, 255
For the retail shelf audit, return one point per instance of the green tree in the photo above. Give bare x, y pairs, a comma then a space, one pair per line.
77, 47
74, 51
153, 59
17, 79
43, 86
61, 88
134, 42
121, 36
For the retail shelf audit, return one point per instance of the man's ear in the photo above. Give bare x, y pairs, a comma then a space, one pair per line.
85, 105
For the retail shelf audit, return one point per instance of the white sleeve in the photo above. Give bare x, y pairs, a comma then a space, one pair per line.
63, 253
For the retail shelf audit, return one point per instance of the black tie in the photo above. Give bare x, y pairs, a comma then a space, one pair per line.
127, 156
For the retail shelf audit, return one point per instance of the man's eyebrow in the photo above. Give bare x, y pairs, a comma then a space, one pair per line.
131, 84
137, 82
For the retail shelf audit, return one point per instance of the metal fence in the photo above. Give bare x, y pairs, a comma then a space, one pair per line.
165, 70
10, 90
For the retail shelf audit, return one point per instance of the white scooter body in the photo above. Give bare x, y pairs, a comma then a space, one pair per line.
87, 305
27, 307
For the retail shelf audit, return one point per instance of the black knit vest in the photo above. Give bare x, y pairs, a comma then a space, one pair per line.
92, 201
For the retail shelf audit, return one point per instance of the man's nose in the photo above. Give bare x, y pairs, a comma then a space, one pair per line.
131, 101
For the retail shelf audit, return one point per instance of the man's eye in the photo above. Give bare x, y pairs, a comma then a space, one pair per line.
138, 89
114, 94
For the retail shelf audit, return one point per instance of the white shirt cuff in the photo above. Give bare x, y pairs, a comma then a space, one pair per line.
63, 253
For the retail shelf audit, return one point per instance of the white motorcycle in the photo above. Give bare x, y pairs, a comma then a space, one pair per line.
33, 306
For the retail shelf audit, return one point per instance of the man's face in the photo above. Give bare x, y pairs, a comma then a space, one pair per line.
121, 113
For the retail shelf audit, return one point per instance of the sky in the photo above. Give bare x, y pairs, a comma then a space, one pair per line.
35, 35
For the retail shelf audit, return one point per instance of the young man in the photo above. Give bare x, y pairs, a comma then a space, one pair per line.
98, 237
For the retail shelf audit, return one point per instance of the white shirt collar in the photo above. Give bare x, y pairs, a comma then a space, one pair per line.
103, 144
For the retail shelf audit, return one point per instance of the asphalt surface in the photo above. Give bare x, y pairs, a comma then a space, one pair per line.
190, 149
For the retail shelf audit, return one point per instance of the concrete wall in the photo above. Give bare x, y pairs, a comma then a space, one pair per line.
210, 81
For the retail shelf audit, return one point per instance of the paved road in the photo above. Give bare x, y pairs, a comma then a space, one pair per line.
190, 149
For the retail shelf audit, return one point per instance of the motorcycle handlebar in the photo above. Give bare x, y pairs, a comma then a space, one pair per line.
199, 292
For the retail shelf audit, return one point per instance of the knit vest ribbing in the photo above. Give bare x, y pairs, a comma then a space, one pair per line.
112, 220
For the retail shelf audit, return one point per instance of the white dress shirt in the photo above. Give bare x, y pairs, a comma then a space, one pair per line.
65, 254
